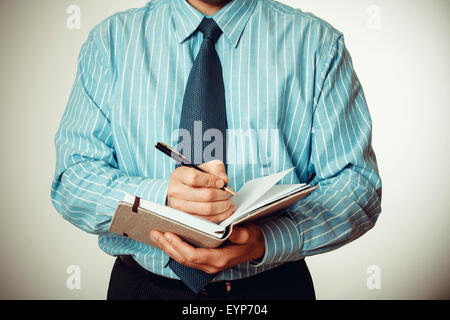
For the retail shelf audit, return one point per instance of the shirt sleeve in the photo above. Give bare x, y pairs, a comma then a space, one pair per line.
88, 182
342, 164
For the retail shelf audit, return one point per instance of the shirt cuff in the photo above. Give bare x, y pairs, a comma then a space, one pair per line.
281, 239
154, 190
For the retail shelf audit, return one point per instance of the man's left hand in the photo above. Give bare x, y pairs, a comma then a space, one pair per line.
244, 244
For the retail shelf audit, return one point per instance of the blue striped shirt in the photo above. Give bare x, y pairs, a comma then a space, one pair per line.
288, 77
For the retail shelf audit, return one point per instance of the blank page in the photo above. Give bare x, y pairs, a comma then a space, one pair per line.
249, 194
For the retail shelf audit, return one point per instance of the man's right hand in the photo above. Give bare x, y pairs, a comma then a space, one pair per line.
199, 193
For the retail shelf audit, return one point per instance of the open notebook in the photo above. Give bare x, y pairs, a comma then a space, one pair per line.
135, 217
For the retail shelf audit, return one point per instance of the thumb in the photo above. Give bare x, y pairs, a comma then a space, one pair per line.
217, 168
240, 235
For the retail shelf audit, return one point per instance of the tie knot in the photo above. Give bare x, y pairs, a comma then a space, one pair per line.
210, 29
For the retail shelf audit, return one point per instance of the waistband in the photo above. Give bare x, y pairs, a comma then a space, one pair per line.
222, 285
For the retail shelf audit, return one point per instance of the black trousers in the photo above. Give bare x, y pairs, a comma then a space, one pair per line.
291, 281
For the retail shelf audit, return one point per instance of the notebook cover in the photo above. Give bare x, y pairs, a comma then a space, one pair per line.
137, 226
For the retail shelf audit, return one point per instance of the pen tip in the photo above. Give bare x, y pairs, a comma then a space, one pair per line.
228, 188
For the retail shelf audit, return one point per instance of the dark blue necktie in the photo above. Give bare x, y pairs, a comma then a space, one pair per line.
204, 113
204, 117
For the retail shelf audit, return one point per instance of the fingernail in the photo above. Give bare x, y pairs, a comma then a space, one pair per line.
223, 175
168, 237
219, 183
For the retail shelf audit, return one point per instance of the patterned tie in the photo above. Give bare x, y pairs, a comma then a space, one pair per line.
204, 109
204, 101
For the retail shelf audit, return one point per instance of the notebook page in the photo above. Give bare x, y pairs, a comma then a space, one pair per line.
277, 192
251, 192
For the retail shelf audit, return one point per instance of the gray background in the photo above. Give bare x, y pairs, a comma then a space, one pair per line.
404, 69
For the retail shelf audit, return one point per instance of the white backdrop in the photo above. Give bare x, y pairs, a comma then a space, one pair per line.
400, 50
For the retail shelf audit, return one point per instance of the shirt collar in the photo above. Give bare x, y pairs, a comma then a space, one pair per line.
232, 18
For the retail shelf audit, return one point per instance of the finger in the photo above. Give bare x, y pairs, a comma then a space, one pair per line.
217, 168
201, 208
162, 243
182, 191
219, 217
196, 258
193, 256
240, 235
196, 178
209, 260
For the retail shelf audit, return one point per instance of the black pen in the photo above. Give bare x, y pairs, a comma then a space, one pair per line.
164, 148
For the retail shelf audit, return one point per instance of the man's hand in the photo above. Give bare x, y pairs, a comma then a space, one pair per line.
199, 193
245, 244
